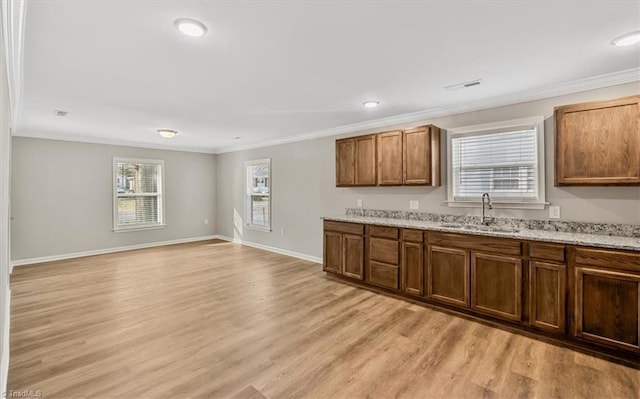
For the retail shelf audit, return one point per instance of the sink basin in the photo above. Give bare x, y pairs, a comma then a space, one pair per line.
451, 225
479, 227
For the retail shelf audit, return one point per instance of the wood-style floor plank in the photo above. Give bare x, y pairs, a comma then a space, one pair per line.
218, 320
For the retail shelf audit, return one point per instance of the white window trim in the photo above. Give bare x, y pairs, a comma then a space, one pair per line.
137, 227
247, 224
536, 123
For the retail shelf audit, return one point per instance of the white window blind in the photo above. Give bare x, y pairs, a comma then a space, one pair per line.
138, 193
258, 194
502, 160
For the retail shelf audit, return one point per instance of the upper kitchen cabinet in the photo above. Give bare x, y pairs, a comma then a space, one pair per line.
421, 156
403, 157
390, 158
345, 162
356, 161
598, 143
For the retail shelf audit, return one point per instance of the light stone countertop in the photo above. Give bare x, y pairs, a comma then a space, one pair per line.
592, 240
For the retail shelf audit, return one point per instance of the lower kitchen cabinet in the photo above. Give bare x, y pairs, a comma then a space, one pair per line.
448, 275
547, 292
606, 308
353, 251
383, 257
332, 260
496, 285
344, 249
413, 268
494, 278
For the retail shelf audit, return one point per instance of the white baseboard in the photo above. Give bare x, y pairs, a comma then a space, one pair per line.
280, 251
31, 261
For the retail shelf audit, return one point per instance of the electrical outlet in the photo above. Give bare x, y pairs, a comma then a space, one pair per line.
554, 212
282, 231
359, 203
414, 204
206, 221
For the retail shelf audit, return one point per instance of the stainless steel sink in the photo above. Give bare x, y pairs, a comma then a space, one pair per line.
479, 227
451, 225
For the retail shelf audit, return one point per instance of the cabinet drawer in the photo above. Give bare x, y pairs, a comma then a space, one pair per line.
609, 259
343, 227
384, 250
503, 246
412, 235
383, 275
547, 251
383, 231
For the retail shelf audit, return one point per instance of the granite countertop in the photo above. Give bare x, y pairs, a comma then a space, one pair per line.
593, 240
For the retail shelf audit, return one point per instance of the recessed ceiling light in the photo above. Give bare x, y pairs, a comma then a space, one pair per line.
371, 103
167, 133
191, 27
60, 113
627, 40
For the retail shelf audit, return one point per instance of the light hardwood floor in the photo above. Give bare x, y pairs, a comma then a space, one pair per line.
214, 319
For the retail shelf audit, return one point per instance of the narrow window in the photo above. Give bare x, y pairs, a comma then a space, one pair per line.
258, 194
138, 189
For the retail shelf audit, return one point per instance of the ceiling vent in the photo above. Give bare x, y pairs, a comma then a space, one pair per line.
464, 85
60, 113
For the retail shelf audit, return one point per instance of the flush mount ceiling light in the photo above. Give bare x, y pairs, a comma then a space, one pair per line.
627, 40
191, 27
371, 103
58, 112
167, 133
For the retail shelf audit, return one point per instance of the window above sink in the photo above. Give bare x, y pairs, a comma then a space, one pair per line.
504, 159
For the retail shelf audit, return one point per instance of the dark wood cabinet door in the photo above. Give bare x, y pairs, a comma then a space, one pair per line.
332, 253
390, 158
353, 256
496, 285
417, 156
448, 275
547, 290
365, 160
598, 143
412, 268
606, 307
345, 162
421, 156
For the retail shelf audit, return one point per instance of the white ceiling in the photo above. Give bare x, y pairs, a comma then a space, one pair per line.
274, 69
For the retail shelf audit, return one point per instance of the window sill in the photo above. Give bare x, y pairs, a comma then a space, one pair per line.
139, 228
258, 228
498, 204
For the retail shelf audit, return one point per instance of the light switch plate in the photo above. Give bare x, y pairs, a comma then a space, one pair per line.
359, 203
414, 204
554, 212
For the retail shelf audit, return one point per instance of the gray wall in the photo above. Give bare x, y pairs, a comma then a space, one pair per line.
62, 197
303, 182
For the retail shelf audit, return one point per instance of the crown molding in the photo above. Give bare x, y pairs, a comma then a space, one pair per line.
576, 86
108, 141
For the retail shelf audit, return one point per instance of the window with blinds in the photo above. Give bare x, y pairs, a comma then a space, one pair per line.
258, 194
505, 160
138, 186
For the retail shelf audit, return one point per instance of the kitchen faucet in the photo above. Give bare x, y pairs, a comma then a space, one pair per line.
485, 219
